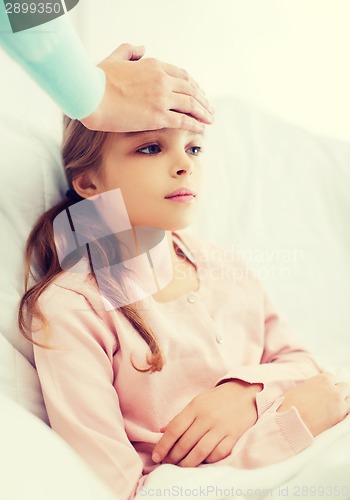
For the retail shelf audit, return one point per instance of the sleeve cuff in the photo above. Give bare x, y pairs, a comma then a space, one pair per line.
264, 399
290, 423
293, 428
232, 376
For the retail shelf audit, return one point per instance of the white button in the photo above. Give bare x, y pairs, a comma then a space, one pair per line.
192, 298
219, 339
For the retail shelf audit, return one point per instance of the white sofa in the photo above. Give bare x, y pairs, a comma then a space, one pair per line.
275, 192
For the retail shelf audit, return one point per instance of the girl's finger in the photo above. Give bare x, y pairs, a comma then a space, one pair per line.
173, 432
186, 443
202, 449
222, 450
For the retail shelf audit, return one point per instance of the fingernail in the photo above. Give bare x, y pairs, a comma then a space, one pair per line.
156, 457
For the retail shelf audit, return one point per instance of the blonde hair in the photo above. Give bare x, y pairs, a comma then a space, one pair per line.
82, 151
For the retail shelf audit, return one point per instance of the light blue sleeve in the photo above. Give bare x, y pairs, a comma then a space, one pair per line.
54, 56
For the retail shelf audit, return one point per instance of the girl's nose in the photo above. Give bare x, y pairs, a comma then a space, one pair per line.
184, 171
183, 166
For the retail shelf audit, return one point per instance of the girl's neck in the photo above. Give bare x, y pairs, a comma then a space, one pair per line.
185, 278
174, 256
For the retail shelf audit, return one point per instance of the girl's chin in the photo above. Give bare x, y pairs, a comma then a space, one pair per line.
177, 226
168, 225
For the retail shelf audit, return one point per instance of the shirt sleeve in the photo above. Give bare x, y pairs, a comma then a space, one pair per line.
283, 434
77, 384
284, 363
54, 57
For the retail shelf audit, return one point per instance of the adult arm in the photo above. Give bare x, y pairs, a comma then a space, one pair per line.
54, 57
121, 94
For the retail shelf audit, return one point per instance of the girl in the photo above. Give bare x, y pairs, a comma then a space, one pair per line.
203, 371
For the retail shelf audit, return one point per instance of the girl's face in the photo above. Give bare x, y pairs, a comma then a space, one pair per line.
147, 167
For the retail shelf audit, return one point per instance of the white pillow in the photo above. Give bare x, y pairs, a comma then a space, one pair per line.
280, 196
32, 180
37, 464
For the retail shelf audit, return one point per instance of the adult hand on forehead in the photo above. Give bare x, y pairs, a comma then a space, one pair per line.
146, 94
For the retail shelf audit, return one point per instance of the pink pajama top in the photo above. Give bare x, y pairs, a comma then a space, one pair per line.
111, 414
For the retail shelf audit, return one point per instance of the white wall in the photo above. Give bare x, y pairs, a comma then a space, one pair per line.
291, 57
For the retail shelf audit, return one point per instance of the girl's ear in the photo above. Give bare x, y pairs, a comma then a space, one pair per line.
85, 185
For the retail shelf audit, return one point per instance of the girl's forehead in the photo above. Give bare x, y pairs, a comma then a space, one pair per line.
163, 132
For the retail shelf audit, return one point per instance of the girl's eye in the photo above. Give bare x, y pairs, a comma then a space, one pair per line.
194, 150
152, 149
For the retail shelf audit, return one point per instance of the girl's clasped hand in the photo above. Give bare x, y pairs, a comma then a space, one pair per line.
209, 426
207, 429
321, 402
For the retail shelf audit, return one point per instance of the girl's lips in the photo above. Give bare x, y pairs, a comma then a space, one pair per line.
181, 192
184, 198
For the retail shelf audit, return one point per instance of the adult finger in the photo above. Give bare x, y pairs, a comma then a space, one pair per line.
189, 105
201, 450
327, 375
347, 402
128, 52
183, 87
343, 389
181, 76
176, 72
172, 119
346, 407
174, 431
